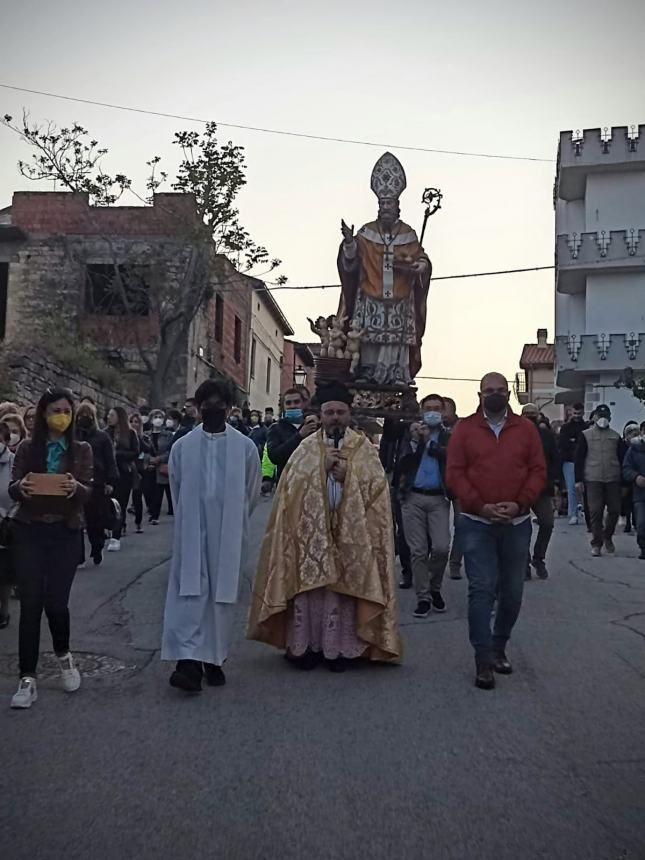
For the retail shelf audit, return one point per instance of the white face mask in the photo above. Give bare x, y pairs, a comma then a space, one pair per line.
14, 438
157, 422
603, 423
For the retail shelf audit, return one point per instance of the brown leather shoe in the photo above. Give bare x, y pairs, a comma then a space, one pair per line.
501, 663
485, 679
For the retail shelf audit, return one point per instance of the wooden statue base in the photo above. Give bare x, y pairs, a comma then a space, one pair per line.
370, 400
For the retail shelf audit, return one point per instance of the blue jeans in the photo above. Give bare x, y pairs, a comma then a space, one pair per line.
568, 470
496, 558
639, 515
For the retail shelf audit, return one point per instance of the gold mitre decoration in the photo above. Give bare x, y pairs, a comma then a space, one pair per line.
388, 177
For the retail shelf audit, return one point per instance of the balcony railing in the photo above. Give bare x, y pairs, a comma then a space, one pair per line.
595, 353
520, 383
609, 252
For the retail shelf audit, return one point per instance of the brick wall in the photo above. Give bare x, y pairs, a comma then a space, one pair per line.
68, 213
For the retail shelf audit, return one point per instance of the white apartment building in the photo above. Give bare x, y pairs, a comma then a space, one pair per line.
269, 327
600, 269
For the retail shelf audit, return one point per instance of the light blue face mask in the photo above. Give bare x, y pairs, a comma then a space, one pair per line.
432, 419
293, 414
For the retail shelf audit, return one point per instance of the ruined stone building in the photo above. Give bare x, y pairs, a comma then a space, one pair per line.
117, 281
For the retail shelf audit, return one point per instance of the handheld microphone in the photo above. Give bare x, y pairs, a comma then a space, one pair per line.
336, 435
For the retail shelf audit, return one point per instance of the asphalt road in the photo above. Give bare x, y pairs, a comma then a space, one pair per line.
381, 762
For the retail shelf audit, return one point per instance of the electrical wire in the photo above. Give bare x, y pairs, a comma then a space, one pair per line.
275, 287
297, 134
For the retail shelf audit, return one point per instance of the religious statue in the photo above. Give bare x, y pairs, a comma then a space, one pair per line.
321, 328
353, 351
385, 277
337, 336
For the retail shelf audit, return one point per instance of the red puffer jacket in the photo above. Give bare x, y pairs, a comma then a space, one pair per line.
483, 469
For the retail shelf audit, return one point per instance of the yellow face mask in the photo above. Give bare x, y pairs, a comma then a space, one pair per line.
59, 423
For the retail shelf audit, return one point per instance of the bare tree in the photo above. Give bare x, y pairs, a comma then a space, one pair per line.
213, 174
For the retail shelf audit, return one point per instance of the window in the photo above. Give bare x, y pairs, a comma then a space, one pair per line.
253, 351
4, 294
116, 290
237, 342
219, 319
268, 376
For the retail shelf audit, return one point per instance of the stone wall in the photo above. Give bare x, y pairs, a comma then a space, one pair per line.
62, 235
30, 375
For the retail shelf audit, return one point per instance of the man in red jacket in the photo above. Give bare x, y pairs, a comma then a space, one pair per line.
496, 470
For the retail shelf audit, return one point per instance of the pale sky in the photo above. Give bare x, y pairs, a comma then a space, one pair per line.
497, 77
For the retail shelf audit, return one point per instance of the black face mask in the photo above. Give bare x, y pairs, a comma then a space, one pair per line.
84, 422
495, 403
214, 416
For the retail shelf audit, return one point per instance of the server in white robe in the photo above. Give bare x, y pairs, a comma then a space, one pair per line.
215, 481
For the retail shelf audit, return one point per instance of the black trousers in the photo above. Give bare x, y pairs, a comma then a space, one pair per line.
45, 557
96, 518
122, 495
137, 504
156, 500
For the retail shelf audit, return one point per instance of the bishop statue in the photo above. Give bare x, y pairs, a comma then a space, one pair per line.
385, 276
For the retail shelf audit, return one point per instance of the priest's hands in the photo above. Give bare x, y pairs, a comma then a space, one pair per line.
336, 465
348, 233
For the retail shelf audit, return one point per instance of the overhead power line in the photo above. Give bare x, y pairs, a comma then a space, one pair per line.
283, 132
276, 287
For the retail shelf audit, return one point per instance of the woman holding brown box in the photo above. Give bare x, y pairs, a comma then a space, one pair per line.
51, 481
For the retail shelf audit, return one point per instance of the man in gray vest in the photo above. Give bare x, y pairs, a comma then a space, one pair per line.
598, 472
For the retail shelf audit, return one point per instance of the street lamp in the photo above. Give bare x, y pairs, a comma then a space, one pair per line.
300, 375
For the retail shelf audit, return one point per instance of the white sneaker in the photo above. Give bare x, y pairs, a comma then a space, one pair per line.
82, 566
69, 674
26, 694
114, 545
573, 521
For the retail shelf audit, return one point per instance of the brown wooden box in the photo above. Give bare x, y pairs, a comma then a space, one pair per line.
47, 485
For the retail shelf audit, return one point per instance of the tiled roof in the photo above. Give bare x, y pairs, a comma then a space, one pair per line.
537, 356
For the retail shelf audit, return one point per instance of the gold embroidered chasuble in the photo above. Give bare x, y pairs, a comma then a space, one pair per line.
350, 551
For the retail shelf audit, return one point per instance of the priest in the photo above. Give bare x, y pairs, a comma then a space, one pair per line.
215, 483
324, 588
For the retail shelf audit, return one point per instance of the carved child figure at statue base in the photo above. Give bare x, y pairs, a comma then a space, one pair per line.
353, 350
337, 337
321, 328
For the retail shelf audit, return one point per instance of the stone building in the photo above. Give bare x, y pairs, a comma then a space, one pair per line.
121, 279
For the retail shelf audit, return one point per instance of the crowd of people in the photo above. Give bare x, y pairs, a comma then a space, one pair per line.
440, 492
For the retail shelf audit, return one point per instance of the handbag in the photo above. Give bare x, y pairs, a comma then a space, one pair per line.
114, 515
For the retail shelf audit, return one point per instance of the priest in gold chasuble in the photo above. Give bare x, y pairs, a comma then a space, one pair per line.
325, 586
385, 276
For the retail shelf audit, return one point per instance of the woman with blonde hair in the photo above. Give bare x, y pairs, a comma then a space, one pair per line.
17, 430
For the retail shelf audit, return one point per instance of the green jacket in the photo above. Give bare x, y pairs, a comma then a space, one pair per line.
268, 468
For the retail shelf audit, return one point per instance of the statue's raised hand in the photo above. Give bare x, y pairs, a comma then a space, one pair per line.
348, 232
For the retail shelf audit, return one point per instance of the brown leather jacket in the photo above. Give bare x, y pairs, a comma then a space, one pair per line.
54, 509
